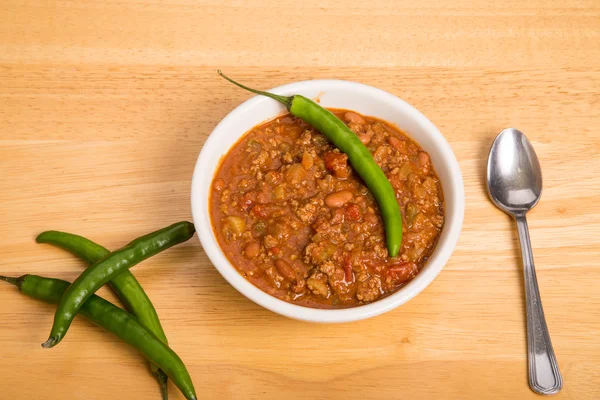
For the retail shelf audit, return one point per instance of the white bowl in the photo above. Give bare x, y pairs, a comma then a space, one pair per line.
366, 100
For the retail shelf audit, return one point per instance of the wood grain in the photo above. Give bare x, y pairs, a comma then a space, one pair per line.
105, 105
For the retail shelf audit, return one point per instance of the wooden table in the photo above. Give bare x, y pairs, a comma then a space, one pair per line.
105, 105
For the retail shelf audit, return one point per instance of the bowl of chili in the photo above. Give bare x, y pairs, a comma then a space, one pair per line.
249, 227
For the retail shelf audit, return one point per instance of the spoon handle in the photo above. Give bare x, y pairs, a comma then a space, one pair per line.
544, 375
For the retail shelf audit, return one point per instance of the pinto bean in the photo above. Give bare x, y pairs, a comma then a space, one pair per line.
285, 270
364, 138
423, 158
353, 117
252, 250
396, 143
338, 199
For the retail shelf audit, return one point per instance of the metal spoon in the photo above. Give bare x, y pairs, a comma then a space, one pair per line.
514, 180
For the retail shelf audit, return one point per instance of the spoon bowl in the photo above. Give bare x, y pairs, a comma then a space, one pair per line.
514, 175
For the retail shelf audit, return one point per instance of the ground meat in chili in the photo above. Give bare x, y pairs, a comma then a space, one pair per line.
297, 222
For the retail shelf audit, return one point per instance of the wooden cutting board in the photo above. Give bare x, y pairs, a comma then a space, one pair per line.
105, 105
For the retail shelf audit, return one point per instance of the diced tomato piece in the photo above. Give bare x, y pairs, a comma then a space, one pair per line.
399, 272
334, 161
260, 211
247, 200
352, 212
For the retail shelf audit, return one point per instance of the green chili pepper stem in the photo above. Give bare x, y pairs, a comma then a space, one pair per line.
161, 377
13, 281
104, 271
285, 100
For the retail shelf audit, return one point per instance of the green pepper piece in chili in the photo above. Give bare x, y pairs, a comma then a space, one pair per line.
122, 324
360, 157
102, 272
125, 286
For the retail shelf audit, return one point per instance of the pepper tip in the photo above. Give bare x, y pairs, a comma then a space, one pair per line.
51, 342
41, 238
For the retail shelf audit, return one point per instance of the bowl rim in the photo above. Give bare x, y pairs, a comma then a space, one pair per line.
212, 249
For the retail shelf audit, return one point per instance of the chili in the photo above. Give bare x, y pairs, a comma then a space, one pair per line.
359, 156
125, 286
115, 320
102, 272
295, 220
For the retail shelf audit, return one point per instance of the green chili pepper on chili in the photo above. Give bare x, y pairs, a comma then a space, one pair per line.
110, 317
360, 157
125, 286
102, 272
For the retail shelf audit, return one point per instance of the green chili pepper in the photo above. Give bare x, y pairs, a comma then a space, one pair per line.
110, 317
360, 157
125, 286
100, 273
